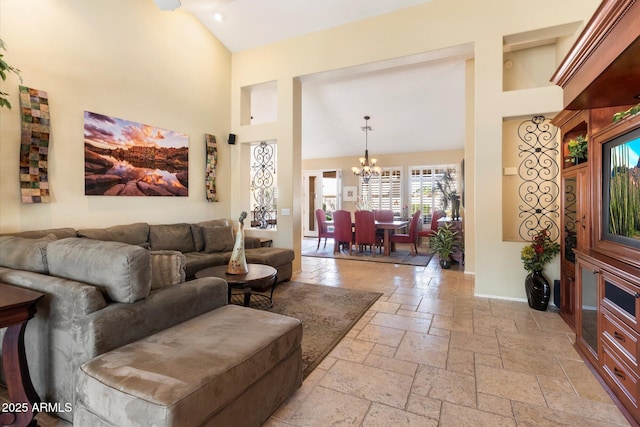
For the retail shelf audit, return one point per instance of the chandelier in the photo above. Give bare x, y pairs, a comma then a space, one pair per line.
368, 166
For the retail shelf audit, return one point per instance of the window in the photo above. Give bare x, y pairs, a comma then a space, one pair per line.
264, 194
424, 182
384, 191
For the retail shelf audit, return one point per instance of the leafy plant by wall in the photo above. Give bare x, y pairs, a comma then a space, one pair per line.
6, 69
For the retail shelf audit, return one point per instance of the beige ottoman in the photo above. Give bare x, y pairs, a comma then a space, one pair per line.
231, 366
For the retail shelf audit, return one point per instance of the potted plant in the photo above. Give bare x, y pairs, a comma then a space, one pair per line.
627, 113
534, 257
445, 242
578, 149
4, 70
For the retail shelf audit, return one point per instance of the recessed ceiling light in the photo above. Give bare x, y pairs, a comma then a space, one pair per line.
218, 16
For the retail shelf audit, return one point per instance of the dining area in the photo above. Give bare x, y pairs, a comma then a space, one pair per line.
376, 232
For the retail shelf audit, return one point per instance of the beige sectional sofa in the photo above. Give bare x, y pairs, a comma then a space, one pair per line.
204, 244
106, 288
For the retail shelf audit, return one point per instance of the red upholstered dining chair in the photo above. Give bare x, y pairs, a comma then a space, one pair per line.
412, 236
383, 215
434, 224
323, 228
342, 230
366, 231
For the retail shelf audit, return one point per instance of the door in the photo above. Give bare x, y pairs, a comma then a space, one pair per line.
321, 191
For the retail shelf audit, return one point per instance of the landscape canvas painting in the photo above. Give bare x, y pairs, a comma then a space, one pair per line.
624, 190
124, 158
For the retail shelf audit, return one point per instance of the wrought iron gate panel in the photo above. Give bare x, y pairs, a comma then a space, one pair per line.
263, 186
539, 171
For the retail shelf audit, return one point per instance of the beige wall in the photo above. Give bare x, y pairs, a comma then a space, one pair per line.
130, 60
434, 25
121, 58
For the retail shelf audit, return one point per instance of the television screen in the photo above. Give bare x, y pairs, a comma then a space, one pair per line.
621, 189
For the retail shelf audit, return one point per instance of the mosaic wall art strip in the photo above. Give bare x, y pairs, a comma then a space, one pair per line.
212, 162
34, 146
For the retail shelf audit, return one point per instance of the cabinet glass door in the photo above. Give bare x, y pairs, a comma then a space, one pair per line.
570, 216
589, 307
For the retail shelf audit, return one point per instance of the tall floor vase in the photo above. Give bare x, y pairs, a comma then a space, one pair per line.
538, 290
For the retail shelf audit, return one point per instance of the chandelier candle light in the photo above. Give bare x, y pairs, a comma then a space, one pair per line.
367, 167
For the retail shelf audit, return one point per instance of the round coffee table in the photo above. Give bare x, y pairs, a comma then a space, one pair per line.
259, 278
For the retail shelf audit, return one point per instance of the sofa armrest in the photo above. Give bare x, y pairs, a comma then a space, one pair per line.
65, 298
123, 323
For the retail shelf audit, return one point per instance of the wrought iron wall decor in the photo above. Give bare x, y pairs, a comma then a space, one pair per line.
210, 172
34, 146
539, 171
263, 186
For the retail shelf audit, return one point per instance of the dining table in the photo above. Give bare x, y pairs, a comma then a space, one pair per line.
387, 227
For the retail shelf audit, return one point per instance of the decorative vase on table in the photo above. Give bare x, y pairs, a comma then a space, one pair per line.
238, 261
538, 290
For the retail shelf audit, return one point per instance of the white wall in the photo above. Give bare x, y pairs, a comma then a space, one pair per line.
122, 58
433, 25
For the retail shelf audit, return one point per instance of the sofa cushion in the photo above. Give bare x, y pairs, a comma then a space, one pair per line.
167, 268
270, 256
121, 271
133, 234
186, 374
218, 239
197, 261
196, 230
172, 237
25, 254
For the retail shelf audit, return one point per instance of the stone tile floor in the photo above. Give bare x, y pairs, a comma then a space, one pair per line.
429, 353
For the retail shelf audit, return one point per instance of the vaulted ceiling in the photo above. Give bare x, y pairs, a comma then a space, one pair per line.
415, 104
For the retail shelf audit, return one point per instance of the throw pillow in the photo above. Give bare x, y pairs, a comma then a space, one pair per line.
119, 270
25, 254
172, 237
168, 268
196, 230
218, 239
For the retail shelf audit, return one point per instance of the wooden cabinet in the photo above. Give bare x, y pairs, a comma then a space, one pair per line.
576, 204
600, 283
607, 312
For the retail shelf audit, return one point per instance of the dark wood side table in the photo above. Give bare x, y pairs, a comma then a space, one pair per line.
259, 278
17, 306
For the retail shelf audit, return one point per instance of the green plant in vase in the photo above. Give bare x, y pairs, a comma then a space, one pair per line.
578, 149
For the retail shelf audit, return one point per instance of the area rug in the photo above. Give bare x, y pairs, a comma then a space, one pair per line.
402, 254
327, 314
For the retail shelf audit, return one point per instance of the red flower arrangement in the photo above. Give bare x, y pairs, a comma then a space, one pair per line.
540, 252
